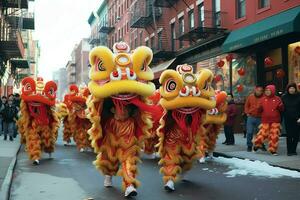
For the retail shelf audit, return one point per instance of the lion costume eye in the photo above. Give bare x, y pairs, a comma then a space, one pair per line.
28, 85
50, 89
170, 85
99, 66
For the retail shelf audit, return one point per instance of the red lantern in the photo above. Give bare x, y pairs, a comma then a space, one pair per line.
240, 88
297, 50
229, 57
217, 78
220, 63
280, 73
241, 71
268, 61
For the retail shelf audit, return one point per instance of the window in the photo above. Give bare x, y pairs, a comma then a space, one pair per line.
122, 32
135, 42
191, 19
116, 37
127, 27
173, 36
181, 30
141, 38
119, 32
217, 13
147, 43
159, 40
201, 14
119, 12
240, 8
152, 42
112, 40
181, 25
263, 3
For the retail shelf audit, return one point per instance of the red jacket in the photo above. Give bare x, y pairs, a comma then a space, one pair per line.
271, 107
252, 106
231, 114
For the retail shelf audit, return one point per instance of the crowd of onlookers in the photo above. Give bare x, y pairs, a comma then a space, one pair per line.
9, 108
265, 113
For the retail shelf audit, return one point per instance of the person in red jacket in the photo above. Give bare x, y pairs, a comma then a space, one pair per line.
271, 107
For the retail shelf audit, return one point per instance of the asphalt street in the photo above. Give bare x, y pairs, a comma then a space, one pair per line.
70, 175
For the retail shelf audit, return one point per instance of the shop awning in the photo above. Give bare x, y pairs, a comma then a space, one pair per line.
271, 27
19, 63
158, 69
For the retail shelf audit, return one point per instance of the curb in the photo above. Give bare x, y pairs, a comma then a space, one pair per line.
5, 189
218, 154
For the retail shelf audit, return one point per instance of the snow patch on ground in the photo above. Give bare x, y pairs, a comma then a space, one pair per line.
46, 187
254, 168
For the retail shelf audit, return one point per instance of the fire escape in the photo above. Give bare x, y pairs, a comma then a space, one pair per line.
15, 18
209, 24
146, 14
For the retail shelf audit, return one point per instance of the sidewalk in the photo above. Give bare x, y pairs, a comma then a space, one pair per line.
8, 151
239, 151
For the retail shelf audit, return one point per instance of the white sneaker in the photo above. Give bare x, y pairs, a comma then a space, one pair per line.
108, 181
169, 186
130, 191
65, 143
202, 160
81, 150
36, 162
157, 155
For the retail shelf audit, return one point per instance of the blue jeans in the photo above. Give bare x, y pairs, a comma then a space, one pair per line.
8, 128
252, 125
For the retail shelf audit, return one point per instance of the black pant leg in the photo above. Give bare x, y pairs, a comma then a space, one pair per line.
295, 136
226, 131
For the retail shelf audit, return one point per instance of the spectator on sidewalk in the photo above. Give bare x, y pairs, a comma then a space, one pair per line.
9, 114
291, 115
253, 115
2, 104
231, 114
271, 107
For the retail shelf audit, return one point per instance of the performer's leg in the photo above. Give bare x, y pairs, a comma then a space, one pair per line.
48, 139
274, 137
33, 144
170, 161
262, 135
107, 163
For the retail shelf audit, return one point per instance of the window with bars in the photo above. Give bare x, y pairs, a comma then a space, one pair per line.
263, 3
201, 14
159, 40
173, 36
191, 19
240, 9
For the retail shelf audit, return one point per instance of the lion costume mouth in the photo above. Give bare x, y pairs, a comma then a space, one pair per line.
188, 110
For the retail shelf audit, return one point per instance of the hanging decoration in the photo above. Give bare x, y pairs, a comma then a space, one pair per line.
217, 78
241, 71
268, 61
220, 63
229, 57
240, 88
280, 73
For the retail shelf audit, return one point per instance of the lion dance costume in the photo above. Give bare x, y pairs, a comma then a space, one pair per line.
186, 97
77, 123
38, 123
214, 121
117, 107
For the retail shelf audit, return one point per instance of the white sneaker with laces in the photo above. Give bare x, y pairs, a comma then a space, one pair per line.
202, 160
130, 191
169, 186
36, 162
107, 181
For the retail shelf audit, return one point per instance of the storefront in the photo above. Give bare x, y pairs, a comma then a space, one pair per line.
273, 44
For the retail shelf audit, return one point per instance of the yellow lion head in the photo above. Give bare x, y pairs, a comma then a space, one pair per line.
120, 74
186, 91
